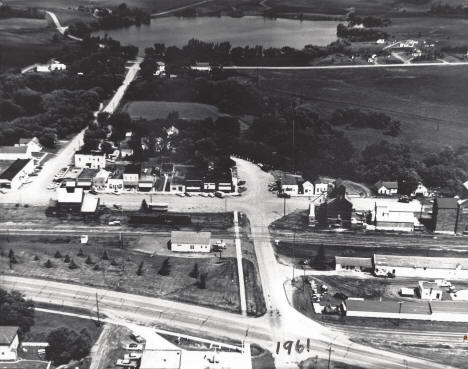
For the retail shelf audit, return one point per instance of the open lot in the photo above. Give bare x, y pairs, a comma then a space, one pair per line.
160, 109
119, 272
429, 101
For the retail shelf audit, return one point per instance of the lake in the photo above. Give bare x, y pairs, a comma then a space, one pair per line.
251, 30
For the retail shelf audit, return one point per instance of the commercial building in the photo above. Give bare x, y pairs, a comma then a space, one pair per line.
100, 179
9, 342
335, 212
429, 291
131, 175
353, 264
15, 173
15, 152
86, 177
447, 311
395, 216
69, 199
421, 266
186, 241
90, 159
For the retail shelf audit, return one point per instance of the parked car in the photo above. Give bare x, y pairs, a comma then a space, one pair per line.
137, 338
134, 346
188, 194
116, 192
241, 183
443, 283
133, 356
284, 195
219, 194
203, 194
93, 192
114, 223
181, 194
211, 194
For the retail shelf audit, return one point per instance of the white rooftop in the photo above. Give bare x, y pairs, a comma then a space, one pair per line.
161, 359
63, 196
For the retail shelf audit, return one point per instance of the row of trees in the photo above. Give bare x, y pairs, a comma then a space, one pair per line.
360, 119
224, 54
359, 34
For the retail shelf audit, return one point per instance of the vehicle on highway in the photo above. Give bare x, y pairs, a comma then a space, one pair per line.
284, 195
114, 223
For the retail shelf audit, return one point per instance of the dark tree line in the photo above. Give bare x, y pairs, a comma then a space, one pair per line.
16, 310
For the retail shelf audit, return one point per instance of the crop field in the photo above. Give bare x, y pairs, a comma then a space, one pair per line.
429, 101
160, 109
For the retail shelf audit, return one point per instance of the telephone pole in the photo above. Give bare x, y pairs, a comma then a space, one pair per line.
329, 356
97, 310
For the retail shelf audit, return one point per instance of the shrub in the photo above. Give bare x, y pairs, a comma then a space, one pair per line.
165, 269
202, 281
73, 265
67, 259
88, 260
66, 345
195, 273
58, 255
36, 258
81, 253
48, 264
140, 269
104, 255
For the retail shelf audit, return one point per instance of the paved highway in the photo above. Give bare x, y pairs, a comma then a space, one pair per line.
351, 66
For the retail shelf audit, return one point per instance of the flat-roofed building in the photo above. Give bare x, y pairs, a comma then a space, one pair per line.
353, 263
429, 291
421, 266
188, 241
161, 359
69, 199
395, 216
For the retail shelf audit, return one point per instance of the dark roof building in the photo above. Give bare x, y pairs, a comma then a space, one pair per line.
11, 172
335, 211
7, 334
444, 215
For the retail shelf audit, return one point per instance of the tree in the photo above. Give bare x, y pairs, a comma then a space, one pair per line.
140, 268
36, 258
89, 260
105, 256
58, 255
48, 264
144, 205
195, 273
80, 253
165, 269
106, 148
67, 259
319, 261
73, 265
202, 281
16, 310
66, 344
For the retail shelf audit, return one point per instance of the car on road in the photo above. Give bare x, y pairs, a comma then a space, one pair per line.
211, 194
93, 192
203, 194
241, 183
134, 346
116, 192
284, 195
188, 194
181, 194
136, 338
114, 223
219, 194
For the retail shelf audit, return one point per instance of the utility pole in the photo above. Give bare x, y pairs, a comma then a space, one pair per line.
284, 206
225, 204
8, 234
293, 252
97, 310
294, 139
329, 355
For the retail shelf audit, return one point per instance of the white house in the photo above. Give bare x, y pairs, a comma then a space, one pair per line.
90, 159
429, 291
32, 143
307, 188
16, 174
9, 343
386, 188
290, 185
321, 186
15, 152
420, 190
187, 241
51, 66
421, 266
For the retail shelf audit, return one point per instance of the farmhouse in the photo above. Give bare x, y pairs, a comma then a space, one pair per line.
16, 173
420, 266
353, 263
15, 152
185, 241
9, 343
429, 291
386, 188
90, 159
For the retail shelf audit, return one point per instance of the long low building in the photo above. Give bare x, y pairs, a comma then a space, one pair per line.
421, 266
14, 173
187, 241
447, 311
353, 263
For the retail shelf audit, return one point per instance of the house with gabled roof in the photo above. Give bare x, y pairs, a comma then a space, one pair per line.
386, 188
9, 342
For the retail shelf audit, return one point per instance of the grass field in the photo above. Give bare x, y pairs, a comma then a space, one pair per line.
160, 110
430, 102
46, 322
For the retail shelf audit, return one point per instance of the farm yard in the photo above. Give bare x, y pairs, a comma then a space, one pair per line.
160, 110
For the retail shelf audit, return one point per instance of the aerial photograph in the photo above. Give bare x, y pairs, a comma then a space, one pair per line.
233, 184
